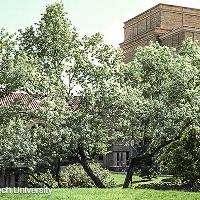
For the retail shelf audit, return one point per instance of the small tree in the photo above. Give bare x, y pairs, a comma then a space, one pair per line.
166, 102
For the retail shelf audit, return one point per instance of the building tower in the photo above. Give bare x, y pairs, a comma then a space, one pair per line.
169, 25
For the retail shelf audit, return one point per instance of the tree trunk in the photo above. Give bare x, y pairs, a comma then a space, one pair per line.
58, 173
134, 162
88, 170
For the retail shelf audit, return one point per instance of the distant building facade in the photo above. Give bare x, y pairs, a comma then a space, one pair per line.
169, 25
117, 159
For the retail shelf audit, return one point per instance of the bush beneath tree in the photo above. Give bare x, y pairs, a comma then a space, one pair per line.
75, 176
182, 158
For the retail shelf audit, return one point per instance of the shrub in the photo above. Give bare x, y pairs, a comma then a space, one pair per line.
182, 159
75, 176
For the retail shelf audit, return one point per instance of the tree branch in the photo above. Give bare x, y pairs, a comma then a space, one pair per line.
167, 142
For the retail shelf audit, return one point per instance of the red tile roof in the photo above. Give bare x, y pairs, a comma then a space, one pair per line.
28, 102
23, 98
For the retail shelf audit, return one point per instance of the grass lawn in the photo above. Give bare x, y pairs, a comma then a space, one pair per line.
109, 194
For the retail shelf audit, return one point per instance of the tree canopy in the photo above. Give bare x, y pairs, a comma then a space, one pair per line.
75, 81
88, 97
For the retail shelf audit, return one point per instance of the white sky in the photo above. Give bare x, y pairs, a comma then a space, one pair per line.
114, 32
88, 16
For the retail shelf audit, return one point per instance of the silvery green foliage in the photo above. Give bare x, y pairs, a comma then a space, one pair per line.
12, 64
57, 63
17, 146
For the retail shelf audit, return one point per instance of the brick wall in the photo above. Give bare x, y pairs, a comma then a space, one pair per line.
176, 39
165, 18
142, 23
171, 20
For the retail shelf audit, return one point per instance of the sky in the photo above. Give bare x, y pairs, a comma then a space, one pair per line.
88, 16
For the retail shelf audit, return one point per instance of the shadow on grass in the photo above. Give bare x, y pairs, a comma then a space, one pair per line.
134, 182
142, 181
168, 184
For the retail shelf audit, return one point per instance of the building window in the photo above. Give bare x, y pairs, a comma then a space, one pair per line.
122, 158
118, 159
127, 158
100, 158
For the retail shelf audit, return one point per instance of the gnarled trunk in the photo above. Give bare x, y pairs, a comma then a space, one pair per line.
134, 162
35, 178
88, 170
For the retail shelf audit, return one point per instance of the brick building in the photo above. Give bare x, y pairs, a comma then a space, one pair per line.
169, 25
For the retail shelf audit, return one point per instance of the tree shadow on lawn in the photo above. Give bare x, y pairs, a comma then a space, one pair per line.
168, 184
136, 182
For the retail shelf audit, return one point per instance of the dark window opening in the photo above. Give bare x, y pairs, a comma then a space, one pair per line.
101, 157
127, 158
